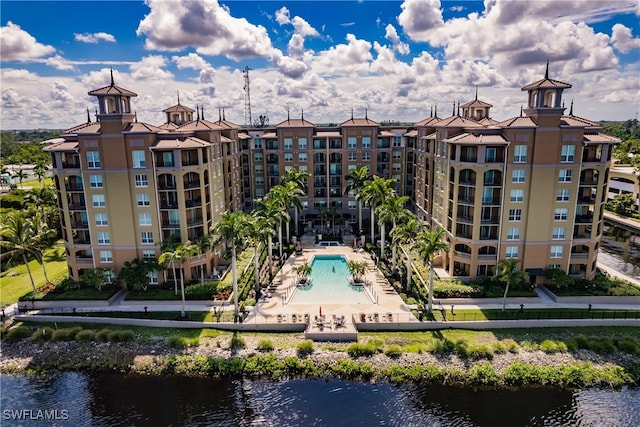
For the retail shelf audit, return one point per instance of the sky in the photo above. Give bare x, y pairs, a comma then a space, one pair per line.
390, 60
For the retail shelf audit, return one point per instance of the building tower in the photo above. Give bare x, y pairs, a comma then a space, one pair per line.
247, 98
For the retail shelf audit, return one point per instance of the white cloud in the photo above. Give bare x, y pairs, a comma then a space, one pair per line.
392, 35
59, 63
345, 59
94, 37
192, 60
622, 39
150, 68
18, 45
207, 75
282, 16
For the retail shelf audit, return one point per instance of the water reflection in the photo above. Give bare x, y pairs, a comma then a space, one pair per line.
124, 400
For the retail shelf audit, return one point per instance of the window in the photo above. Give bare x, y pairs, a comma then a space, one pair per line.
366, 142
561, 214
288, 157
352, 204
109, 275
174, 217
139, 160
257, 157
366, 156
568, 153
101, 219
517, 196
515, 214
511, 252
106, 256
555, 267
563, 195
302, 157
259, 180
351, 155
396, 155
288, 143
565, 175
520, 154
153, 277
556, 252
302, 143
397, 141
104, 238
302, 168
142, 199
149, 254
96, 181
559, 233
144, 219
259, 169
141, 180
490, 155
167, 159
518, 175
396, 166
98, 201
352, 141
93, 159
257, 143
513, 233
146, 237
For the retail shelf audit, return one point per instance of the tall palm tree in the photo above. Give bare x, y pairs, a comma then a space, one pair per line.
42, 234
18, 238
267, 210
405, 234
507, 271
40, 170
261, 230
169, 246
20, 175
374, 193
42, 198
233, 229
391, 211
201, 245
430, 243
299, 178
356, 180
278, 198
179, 256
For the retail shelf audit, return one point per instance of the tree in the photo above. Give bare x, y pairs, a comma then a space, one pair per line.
391, 211
357, 178
169, 246
429, 244
201, 245
135, 273
278, 199
261, 231
20, 175
42, 234
357, 270
268, 211
232, 229
179, 256
40, 171
374, 193
507, 271
18, 237
302, 272
93, 277
299, 178
405, 234
621, 203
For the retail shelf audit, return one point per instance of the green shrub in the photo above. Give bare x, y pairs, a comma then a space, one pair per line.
499, 347
66, 334
393, 352
265, 345
510, 345
551, 347
237, 342
628, 345
86, 335
175, 341
201, 292
121, 336
369, 348
19, 333
103, 335
42, 334
443, 346
480, 352
305, 348
483, 373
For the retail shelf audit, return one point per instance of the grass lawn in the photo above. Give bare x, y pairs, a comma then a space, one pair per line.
542, 313
197, 316
15, 282
27, 185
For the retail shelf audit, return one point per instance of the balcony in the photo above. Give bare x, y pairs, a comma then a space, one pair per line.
491, 202
170, 224
79, 224
194, 222
71, 164
584, 219
193, 203
167, 185
192, 184
466, 200
490, 220
464, 219
586, 200
77, 206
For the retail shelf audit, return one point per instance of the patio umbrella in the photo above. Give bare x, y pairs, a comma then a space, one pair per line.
355, 242
320, 311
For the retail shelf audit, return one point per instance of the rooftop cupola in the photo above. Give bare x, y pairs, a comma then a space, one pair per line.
545, 97
114, 103
178, 114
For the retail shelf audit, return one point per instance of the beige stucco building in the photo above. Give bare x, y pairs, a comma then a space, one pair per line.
531, 187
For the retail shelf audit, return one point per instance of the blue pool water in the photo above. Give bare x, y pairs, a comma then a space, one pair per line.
329, 286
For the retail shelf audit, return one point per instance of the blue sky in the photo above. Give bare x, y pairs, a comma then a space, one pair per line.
394, 59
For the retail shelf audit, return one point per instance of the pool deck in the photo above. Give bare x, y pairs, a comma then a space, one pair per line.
385, 303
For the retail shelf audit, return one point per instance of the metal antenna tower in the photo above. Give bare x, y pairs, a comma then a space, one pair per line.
247, 98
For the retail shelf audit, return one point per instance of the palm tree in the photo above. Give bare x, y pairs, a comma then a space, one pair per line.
18, 238
20, 175
261, 231
42, 234
299, 178
233, 229
42, 197
302, 271
391, 211
40, 170
507, 271
278, 199
169, 247
202, 244
266, 209
357, 178
429, 244
405, 234
179, 256
374, 193
357, 270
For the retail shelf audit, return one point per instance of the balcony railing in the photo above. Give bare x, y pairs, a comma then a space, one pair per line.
81, 260
584, 218
77, 206
74, 187
170, 224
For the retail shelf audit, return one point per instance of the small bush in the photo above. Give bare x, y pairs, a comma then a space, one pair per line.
120, 336
480, 352
86, 335
265, 345
499, 347
393, 352
370, 348
628, 345
551, 347
66, 334
237, 342
305, 348
443, 346
201, 292
19, 333
510, 345
484, 374
103, 335
42, 334
175, 341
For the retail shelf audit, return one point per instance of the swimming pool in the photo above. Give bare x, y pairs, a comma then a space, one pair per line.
329, 283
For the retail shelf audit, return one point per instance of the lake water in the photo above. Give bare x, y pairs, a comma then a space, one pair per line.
79, 399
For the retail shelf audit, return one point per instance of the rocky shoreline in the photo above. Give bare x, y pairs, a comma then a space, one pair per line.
213, 355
